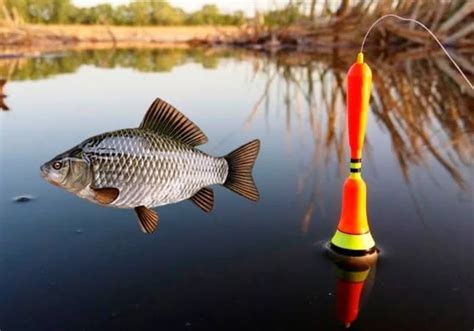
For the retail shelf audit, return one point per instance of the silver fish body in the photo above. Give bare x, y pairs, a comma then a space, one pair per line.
152, 165
150, 169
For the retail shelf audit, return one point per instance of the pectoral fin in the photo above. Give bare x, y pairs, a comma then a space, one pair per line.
106, 195
204, 199
147, 219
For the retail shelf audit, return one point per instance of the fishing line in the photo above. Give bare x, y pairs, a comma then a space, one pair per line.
424, 27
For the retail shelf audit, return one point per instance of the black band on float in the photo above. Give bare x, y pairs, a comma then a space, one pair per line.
356, 170
356, 160
350, 252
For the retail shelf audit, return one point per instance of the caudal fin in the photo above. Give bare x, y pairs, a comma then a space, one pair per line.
241, 162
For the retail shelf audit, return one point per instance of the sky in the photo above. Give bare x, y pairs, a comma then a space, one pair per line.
248, 6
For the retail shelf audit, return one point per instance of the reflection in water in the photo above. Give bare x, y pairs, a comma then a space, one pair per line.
146, 60
420, 102
423, 114
354, 282
249, 265
3, 105
425, 109
153, 165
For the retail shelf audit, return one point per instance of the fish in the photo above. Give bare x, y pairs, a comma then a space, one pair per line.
155, 164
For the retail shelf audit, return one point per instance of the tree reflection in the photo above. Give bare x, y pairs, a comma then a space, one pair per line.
420, 102
141, 59
425, 111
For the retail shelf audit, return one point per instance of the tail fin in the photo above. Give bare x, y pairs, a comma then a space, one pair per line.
241, 162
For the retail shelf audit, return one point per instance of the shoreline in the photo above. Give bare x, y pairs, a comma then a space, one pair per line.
31, 40
40, 40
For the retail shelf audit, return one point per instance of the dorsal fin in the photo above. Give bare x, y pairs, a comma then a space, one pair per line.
163, 118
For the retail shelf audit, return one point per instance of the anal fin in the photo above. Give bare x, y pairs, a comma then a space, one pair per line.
147, 219
204, 199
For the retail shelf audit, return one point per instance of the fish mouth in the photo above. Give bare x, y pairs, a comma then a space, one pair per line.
44, 171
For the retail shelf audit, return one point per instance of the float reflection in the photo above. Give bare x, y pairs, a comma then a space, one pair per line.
355, 278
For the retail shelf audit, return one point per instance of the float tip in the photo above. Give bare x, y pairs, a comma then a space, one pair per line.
360, 57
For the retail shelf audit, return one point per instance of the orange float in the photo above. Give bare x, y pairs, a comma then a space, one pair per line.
353, 236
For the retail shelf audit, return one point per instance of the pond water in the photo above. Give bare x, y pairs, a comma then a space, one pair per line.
67, 264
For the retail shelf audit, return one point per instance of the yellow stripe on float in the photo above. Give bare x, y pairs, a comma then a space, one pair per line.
355, 242
356, 165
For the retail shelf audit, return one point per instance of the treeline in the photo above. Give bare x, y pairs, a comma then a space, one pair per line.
156, 12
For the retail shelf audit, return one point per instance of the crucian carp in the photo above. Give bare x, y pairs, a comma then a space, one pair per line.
151, 166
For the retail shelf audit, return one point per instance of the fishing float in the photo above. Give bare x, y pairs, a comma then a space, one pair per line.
353, 239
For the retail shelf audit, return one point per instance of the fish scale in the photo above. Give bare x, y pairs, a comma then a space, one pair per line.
151, 168
152, 165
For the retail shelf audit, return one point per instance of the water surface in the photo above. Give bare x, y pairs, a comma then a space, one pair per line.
70, 265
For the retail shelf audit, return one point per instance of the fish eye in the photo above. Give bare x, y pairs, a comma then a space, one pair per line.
57, 165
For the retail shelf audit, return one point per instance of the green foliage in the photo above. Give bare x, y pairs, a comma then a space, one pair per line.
283, 17
41, 11
210, 15
158, 12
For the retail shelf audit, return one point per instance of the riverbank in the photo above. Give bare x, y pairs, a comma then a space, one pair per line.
24, 40
450, 21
